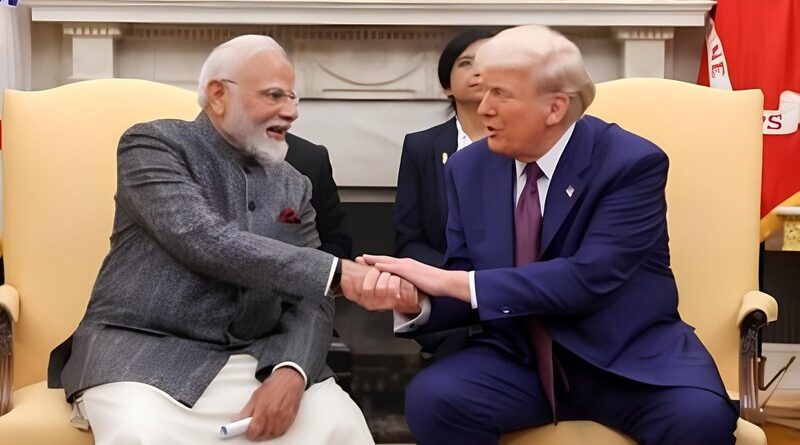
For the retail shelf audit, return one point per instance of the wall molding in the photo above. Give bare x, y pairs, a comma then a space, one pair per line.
364, 12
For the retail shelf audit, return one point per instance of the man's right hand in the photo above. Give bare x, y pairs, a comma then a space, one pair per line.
375, 290
274, 405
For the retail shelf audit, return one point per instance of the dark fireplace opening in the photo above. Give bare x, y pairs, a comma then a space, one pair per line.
382, 365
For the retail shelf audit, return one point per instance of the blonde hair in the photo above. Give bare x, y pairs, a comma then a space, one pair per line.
226, 59
555, 62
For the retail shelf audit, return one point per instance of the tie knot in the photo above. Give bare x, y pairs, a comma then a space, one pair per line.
533, 171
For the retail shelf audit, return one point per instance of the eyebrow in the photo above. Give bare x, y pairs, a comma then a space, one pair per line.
270, 88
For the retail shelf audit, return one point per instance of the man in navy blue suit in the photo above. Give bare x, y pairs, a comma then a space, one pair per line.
558, 248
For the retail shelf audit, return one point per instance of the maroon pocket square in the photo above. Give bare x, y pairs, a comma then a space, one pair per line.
289, 216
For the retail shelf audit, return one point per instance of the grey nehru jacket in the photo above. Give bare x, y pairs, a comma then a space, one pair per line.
201, 266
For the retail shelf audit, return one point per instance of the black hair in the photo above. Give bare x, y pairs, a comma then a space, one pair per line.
455, 47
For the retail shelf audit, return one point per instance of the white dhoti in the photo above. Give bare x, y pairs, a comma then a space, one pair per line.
130, 413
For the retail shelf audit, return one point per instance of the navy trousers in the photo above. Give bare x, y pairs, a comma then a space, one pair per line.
480, 392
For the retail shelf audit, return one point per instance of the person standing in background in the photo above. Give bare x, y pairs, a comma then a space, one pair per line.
420, 210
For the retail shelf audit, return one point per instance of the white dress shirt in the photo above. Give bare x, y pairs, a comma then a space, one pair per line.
547, 163
463, 137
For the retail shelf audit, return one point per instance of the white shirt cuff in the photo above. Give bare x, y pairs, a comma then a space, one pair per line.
330, 278
473, 298
404, 323
296, 368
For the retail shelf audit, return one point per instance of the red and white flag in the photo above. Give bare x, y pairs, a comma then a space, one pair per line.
756, 45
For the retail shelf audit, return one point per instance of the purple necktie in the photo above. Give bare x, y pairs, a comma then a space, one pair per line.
528, 234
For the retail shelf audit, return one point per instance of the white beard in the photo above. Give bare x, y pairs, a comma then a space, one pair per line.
252, 139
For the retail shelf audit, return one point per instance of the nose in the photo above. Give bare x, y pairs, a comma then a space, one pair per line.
475, 79
485, 108
289, 111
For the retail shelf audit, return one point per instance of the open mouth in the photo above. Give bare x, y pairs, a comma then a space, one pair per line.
277, 132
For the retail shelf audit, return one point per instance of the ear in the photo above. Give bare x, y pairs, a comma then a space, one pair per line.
448, 92
559, 106
217, 97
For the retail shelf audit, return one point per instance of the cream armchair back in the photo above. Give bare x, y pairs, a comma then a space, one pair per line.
59, 178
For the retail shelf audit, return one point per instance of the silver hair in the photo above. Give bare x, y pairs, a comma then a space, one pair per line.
226, 59
556, 64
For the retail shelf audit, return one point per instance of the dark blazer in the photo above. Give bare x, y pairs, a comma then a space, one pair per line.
420, 207
603, 286
312, 161
201, 266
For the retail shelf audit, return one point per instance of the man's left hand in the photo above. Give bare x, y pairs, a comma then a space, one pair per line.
273, 406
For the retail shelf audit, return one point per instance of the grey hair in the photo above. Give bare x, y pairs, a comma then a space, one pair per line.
225, 59
557, 65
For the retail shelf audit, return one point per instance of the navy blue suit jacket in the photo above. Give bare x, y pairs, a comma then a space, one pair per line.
420, 208
603, 286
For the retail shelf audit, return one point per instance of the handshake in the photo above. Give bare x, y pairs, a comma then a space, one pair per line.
385, 283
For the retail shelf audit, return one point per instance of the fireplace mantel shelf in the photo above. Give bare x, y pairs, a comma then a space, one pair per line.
667, 13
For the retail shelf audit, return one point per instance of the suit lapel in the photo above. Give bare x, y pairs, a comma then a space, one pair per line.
566, 186
498, 205
445, 143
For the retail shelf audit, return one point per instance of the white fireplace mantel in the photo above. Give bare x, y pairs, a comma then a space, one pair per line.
370, 60
662, 13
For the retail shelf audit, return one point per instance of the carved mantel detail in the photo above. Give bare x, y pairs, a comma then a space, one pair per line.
113, 30
644, 33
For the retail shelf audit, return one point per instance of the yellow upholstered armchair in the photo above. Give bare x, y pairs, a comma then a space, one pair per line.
59, 179
713, 139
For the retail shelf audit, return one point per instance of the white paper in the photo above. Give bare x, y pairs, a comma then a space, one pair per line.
234, 429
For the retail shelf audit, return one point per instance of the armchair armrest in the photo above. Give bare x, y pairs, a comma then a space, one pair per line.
757, 310
9, 312
758, 301
9, 301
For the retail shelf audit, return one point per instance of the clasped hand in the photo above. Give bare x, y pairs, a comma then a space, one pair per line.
384, 282
375, 290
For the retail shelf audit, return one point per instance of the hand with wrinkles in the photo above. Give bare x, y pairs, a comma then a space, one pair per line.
375, 290
428, 279
273, 406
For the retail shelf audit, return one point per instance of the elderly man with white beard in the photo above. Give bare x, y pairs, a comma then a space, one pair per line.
214, 303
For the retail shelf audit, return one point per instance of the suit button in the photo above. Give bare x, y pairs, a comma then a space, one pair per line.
251, 206
505, 310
